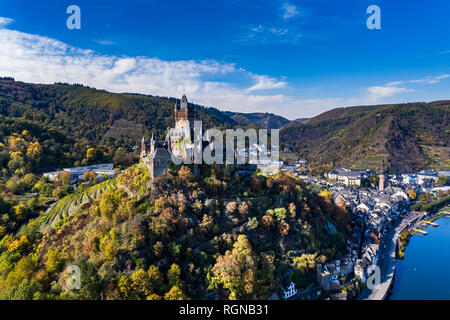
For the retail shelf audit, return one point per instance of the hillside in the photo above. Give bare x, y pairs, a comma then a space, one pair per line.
408, 136
259, 120
219, 234
85, 113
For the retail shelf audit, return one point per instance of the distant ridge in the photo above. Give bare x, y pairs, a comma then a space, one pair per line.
261, 120
407, 136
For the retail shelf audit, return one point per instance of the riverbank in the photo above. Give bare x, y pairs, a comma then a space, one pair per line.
421, 274
387, 255
406, 235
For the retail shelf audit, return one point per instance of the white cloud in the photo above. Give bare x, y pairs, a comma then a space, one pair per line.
105, 42
266, 83
431, 79
378, 92
273, 33
5, 21
289, 11
38, 59
394, 83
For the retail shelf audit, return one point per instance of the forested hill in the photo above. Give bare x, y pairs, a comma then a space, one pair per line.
84, 113
261, 120
408, 136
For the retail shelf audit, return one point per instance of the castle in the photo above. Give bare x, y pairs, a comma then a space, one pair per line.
178, 141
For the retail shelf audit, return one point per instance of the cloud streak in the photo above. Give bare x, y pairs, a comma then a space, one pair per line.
289, 11
5, 21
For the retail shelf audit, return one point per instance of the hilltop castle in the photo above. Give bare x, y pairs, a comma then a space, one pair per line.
178, 141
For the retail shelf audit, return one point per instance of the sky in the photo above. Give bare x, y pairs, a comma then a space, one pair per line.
295, 58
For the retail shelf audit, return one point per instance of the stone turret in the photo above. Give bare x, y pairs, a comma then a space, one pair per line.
143, 148
382, 178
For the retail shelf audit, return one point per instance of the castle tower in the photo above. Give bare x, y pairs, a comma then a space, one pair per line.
382, 178
184, 126
183, 115
152, 145
143, 148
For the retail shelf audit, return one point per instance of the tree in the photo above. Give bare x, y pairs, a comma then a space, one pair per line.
231, 207
412, 195
253, 223
34, 151
326, 194
30, 180
206, 224
174, 275
283, 228
175, 293
90, 177
54, 261
91, 155
140, 284
292, 210
279, 213
64, 177
236, 270
16, 161
442, 181
185, 173
158, 249
267, 222
243, 209
155, 278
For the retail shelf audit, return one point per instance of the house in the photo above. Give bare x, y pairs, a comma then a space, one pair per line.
428, 175
360, 269
269, 167
346, 176
351, 178
444, 173
77, 173
332, 175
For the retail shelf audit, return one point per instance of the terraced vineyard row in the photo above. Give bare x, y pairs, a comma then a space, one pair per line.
67, 205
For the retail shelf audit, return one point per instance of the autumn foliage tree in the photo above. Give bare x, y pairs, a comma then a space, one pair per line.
236, 270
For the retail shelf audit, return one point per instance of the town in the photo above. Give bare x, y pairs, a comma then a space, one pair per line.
377, 211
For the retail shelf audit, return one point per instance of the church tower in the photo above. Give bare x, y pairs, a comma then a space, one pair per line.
382, 178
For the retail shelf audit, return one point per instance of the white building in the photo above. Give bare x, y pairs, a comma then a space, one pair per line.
77, 173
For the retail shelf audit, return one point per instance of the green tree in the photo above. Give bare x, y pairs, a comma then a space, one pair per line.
173, 275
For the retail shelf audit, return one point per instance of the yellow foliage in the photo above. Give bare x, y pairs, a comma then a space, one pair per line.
34, 150
325, 194
412, 194
17, 244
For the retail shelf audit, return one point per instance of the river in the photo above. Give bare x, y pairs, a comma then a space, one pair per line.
424, 273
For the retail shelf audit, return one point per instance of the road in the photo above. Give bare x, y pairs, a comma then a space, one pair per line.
387, 264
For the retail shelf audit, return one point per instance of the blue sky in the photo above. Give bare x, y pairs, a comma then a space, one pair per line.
295, 58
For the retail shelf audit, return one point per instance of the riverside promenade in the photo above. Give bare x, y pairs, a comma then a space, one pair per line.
387, 259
